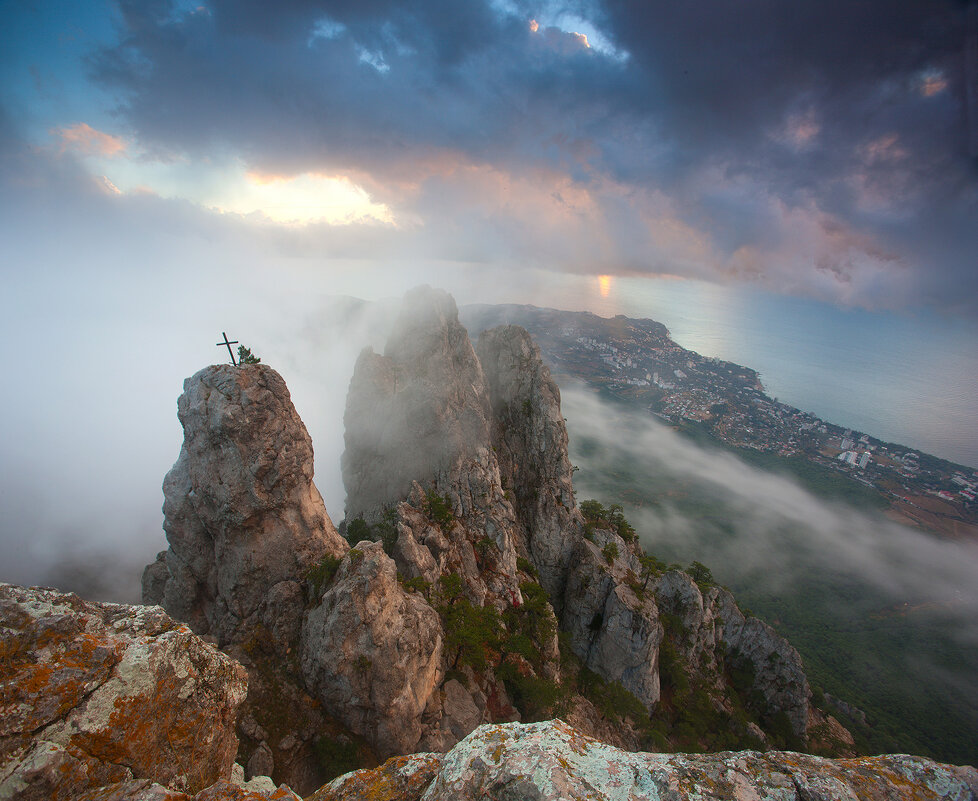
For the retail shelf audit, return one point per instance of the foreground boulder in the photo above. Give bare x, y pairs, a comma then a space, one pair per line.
550, 761
96, 694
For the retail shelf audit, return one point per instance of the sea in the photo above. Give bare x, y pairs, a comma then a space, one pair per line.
907, 378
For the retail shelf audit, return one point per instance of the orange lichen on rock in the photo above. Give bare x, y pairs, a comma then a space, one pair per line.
96, 694
403, 778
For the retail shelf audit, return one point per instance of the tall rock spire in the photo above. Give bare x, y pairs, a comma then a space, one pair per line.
243, 518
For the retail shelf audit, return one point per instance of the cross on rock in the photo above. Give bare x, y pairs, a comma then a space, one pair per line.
229, 344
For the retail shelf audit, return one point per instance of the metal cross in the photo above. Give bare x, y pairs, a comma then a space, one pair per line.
229, 344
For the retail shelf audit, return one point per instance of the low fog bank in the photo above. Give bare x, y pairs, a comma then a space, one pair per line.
769, 527
885, 615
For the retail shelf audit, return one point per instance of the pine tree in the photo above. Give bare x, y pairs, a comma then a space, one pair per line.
245, 356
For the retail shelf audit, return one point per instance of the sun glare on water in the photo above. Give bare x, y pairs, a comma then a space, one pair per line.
604, 285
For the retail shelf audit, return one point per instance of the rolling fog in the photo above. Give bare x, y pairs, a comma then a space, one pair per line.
765, 513
81, 489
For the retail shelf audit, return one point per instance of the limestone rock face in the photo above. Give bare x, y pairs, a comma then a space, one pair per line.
417, 413
418, 422
530, 440
551, 761
614, 630
95, 694
713, 617
778, 671
243, 518
371, 651
403, 778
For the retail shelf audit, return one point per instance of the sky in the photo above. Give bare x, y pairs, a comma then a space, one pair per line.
172, 170
820, 148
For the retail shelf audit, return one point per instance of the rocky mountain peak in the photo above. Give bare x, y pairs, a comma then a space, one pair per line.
419, 412
243, 518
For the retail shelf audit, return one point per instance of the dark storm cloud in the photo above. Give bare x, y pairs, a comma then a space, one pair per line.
814, 146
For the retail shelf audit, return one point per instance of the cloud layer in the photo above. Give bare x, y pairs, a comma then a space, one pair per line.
817, 148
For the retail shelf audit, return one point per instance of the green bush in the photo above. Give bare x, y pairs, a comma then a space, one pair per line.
245, 356
535, 697
526, 566
357, 530
384, 532
321, 575
335, 756
612, 518
610, 552
471, 632
701, 574
439, 509
416, 584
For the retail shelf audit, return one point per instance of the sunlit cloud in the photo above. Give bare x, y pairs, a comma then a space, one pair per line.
884, 148
111, 187
303, 199
81, 138
582, 34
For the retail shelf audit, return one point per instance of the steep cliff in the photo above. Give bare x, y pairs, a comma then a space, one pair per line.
529, 436
242, 516
456, 458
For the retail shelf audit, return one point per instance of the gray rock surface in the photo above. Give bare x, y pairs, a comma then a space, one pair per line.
615, 631
712, 617
460, 714
778, 671
94, 694
418, 421
417, 412
530, 439
551, 761
371, 652
241, 512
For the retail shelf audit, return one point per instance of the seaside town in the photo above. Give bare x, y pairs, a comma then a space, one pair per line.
637, 361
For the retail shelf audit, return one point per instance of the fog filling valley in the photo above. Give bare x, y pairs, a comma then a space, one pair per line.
875, 607
761, 533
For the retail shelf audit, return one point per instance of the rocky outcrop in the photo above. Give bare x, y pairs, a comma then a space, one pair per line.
613, 624
418, 428
779, 675
481, 431
403, 778
419, 412
711, 618
96, 694
530, 439
242, 516
371, 651
551, 761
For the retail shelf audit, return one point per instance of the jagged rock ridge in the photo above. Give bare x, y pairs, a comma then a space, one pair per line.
456, 465
403, 644
481, 428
